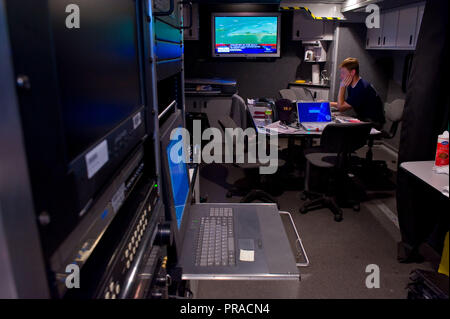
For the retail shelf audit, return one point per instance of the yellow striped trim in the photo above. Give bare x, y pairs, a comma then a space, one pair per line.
310, 13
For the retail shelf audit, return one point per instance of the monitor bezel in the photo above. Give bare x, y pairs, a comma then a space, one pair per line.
174, 121
245, 14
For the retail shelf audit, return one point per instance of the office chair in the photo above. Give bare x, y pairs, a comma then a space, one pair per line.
337, 143
393, 112
296, 94
303, 94
288, 94
251, 186
238, 111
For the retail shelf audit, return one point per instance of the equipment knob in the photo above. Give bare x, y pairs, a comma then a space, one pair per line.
163, 235
163, 281
156, 294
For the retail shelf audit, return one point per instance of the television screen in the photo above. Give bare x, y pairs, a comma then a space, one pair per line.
246, 34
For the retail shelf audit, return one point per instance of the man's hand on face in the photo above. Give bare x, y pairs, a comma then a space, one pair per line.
346, 82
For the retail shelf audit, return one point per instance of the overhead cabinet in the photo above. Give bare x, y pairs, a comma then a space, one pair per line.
407, 31
306, 28
398, 30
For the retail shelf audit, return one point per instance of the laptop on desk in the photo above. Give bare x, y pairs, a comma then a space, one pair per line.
222, 240
314, 116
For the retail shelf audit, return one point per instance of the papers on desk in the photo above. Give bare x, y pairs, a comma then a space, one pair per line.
441, 169
282, 129
445, 191
257, 111
348, 119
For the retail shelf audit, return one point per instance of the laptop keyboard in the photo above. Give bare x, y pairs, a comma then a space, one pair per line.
215, 246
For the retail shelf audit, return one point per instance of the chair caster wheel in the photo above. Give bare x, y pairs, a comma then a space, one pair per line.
229, 195
338, 218
303, 210
356, 207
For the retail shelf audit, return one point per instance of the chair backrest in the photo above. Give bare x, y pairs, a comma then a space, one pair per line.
394, 110
394, 113
303, 94
344, 138
238, 111
288, 94
227, 122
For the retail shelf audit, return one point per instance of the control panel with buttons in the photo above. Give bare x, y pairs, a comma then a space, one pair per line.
133, 250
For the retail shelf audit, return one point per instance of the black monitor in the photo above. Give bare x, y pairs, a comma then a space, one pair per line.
176, 182
84, 113
97, 66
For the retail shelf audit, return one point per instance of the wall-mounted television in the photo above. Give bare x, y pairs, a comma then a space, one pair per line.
245, 34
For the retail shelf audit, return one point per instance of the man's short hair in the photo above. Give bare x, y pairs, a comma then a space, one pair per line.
350, 64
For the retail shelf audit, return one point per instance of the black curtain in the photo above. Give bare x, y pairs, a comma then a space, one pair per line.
422, 211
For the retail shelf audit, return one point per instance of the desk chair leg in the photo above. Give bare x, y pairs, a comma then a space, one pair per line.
305, 193
323, 202
369, 154
259, 195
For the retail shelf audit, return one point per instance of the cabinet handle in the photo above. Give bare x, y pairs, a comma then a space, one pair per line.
298, 33
410, 39
378, 40
189, 3
367, 44
384, 40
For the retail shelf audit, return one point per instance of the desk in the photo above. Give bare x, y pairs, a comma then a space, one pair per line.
424, 171
282, 130
288, 131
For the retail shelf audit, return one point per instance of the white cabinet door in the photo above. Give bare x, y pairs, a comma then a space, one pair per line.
305, 28
373, 38
421, 9
406, 34
389, 31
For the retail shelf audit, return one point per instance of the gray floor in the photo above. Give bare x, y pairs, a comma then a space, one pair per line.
339, 252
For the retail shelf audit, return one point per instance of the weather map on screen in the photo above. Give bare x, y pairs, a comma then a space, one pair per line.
246, 35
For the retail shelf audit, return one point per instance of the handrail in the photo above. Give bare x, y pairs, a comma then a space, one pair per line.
298, 239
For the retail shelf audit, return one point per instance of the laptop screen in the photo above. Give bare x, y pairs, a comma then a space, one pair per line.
314, 112
178, 176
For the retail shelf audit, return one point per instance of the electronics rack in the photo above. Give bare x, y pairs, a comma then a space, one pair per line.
120, 238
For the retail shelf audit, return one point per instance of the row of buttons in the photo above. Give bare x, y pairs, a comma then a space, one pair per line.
113, 290
135, 239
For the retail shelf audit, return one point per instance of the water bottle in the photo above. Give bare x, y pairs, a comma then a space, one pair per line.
268, 116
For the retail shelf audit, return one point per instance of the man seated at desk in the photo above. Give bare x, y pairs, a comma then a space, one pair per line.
361, 96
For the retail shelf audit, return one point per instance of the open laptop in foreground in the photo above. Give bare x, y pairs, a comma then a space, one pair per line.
314, 116
222, 240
